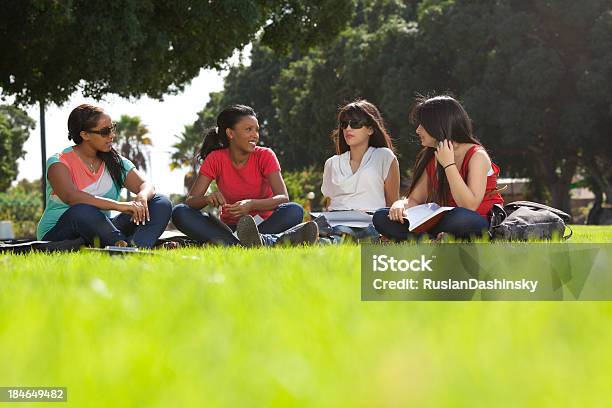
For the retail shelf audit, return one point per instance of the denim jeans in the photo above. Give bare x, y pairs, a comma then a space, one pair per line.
90, 223
459, 222
200, 227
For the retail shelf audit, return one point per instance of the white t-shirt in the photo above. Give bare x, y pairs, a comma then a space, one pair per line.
362, 190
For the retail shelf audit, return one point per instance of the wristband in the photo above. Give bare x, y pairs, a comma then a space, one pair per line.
448, 165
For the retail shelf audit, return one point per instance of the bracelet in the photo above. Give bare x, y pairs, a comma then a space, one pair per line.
448, 165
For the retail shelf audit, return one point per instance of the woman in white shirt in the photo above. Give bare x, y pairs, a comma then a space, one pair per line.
364, 174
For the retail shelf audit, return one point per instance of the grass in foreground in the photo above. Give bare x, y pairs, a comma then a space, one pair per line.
281, 327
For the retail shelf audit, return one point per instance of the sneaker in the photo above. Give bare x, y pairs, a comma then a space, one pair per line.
248, 234
305, 233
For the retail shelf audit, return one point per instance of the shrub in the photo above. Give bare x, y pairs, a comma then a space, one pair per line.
300, 183
23, 209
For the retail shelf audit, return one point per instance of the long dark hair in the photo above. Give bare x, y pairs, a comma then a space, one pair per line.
443, 118
84, 118
361, 110
216, 138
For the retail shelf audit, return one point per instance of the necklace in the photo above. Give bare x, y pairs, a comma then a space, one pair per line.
90, 165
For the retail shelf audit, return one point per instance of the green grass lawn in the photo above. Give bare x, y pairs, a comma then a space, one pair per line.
284, 327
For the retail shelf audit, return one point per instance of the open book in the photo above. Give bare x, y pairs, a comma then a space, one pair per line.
350, 218
423, 217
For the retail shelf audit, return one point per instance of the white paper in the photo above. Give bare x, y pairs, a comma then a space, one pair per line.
350, 218
258, 219
421, 213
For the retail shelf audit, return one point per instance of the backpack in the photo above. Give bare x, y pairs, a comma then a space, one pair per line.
525, 220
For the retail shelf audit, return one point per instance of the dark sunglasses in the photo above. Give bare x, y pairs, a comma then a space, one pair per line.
105, 131
353, 123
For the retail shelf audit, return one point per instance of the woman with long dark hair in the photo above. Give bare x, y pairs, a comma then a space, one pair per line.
453, 169
84, 182
250, 184
364, 173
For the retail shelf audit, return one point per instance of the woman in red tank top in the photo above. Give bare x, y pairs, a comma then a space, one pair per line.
453, 169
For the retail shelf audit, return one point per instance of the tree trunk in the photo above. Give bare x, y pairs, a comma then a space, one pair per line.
43, 154
593, 217
560, 196
558, 184
607, 190
600, 180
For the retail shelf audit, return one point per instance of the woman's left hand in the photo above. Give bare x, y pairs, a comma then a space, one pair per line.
445, 154
239, 208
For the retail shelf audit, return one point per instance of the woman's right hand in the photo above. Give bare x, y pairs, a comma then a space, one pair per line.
396, 212
135, 209
215, 199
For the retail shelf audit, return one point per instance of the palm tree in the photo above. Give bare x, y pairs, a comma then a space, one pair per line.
187, 147
186, 151
131, 140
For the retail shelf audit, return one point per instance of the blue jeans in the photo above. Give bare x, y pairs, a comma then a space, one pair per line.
90, 223
459, 222
200, 227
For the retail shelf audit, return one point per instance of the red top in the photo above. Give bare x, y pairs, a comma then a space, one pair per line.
491, 196
248, 182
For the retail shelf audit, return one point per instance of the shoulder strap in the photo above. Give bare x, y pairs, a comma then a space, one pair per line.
537, 206
466, 159
566, 237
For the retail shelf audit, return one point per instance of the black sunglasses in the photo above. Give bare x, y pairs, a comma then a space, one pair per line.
353, 123
105, 131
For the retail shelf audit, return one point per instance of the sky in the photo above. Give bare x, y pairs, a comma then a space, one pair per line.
164, 119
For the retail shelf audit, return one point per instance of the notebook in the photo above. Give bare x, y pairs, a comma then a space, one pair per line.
350, 218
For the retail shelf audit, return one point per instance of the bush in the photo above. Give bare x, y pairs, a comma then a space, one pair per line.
300, 183
22, 205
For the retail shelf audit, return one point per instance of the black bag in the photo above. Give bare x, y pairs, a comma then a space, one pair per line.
21, 246
524, 220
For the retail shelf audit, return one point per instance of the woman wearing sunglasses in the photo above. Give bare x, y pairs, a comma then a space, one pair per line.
364, 174
250, 184
84, 182
453, 169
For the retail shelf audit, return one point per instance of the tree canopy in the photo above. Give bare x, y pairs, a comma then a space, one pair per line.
153, 47
15, 126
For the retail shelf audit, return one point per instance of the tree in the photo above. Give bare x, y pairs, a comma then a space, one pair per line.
132, 139
521, 68
596, 93
50, 49
15, 126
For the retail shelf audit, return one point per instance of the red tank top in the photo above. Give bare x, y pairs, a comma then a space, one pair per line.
491, 196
